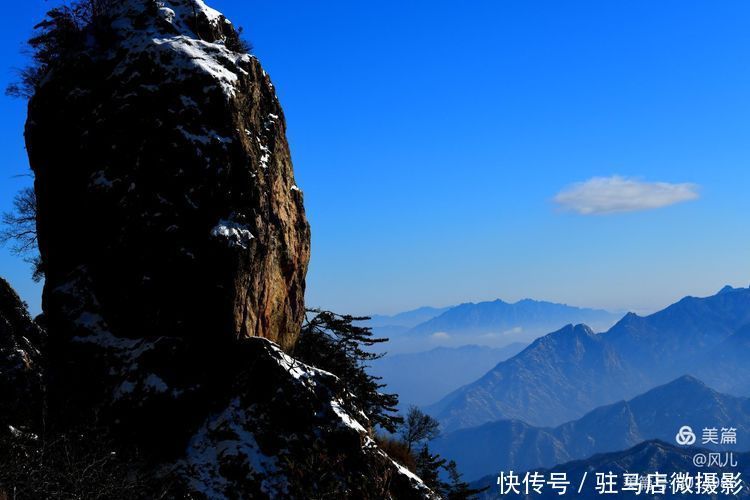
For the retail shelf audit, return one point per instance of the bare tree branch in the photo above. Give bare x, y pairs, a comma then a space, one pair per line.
19, 226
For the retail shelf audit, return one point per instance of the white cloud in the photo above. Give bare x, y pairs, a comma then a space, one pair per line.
507, 333
440, 336
608, 195
513, 331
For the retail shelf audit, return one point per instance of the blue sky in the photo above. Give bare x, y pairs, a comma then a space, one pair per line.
439, 145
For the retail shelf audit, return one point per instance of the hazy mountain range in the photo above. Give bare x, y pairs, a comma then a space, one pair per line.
495, 324
565, 374
407, 319
433, 351
525, 319
657, 414
644, 458
424, 377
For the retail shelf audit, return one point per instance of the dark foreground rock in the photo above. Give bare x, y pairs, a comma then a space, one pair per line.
187, 420
21, 365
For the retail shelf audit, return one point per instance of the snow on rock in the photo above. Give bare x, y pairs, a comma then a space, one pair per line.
261, 441
183, 45
155, 383
234, 233
228, 436
100, 180
413, 478
21, 377
346, 419
299, 371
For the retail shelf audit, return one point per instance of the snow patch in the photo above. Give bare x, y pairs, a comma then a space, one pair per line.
299, 371
101, 180
179, 51
204, 139
155, 383
125, 388
213, 15
266, 153
406, 472
234, 233
92, 321
206, 56
227, 435
345, 418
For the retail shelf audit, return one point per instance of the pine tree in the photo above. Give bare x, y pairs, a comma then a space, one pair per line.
63, 29
457, 489
428, 469
334, 343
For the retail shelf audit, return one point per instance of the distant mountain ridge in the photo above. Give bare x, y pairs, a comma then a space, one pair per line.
394, 327
556, 379
499, 316
406, 319
492, 323
657, 414
563, 375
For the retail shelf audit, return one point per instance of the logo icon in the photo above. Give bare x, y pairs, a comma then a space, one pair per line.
685, 436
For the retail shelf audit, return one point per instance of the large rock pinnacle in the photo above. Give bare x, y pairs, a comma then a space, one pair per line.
165, 184
175, 247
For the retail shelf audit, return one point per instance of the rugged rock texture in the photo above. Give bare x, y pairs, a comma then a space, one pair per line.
163, 174
175, 247
168, 217
301, 437
21, 384
222, 418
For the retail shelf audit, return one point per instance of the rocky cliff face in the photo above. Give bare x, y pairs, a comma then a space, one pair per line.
164, 182
175, 247
21, 384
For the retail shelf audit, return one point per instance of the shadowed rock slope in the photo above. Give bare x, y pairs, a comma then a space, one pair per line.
21, 384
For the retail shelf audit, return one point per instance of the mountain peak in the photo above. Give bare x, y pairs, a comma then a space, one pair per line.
528, 301
686, 381
685, 388
575, 330
565, 335
525, 320
689, 378
728, 289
